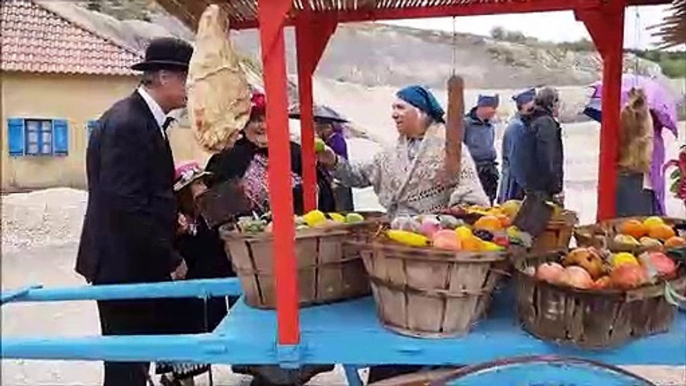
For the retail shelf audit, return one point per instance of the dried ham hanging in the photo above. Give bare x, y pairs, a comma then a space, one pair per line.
218, 91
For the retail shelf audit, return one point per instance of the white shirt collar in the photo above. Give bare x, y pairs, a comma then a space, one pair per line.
154, 107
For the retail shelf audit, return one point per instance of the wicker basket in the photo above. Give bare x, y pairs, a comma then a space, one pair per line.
592, 319
430, 293
602, 235
329, 270
557, 234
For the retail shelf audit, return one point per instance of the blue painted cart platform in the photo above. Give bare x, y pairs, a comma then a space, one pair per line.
350, 333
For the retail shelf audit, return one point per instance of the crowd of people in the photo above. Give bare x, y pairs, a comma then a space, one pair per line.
143, 223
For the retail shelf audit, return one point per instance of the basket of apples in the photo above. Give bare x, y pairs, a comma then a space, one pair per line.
433, 275
594, 298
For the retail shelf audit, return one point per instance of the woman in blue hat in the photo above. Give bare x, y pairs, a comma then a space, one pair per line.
409, 177
509, 188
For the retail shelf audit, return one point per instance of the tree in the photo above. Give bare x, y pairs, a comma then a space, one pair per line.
498, 33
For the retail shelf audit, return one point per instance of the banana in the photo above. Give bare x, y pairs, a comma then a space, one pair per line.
408, 238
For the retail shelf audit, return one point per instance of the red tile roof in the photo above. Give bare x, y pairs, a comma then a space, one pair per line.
35, 39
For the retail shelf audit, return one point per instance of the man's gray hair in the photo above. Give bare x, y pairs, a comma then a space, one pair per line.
151, 78
547, 97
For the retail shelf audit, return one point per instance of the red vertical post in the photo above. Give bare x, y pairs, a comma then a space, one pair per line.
606, 26
272, 16
311, 36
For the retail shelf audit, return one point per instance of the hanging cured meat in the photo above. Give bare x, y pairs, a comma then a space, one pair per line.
218, 90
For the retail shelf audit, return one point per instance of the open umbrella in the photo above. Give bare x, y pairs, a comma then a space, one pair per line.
320, 112
662, 104
660, 99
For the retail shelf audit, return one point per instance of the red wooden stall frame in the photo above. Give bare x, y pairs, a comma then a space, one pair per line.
604, 20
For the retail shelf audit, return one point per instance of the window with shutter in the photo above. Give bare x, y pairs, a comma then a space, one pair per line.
15, 136
60, 133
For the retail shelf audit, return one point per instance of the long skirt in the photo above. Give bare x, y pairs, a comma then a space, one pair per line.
631, 199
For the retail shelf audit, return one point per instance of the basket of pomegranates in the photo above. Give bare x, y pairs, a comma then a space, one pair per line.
557, 234
594, 298
634, 234
433, 275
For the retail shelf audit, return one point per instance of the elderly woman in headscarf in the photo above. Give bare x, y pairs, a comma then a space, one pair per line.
409, 177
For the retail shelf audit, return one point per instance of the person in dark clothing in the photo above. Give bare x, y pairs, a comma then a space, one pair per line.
247, 161
331, 132
130, 219
541, 154
479, 136
203, 251
509, 188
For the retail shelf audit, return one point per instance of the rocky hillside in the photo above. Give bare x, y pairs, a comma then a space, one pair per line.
373, 54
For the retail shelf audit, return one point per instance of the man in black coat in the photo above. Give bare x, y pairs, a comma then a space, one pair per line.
541, 153
131, 217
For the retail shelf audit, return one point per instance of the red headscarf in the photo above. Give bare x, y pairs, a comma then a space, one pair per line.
259, 104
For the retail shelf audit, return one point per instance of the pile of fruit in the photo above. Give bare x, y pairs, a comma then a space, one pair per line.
313, 219
488, 233
650, 234
590, 268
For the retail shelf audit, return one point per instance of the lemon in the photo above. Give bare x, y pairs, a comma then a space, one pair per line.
314, 218
463, 232
337, 217
652, 221
623, 258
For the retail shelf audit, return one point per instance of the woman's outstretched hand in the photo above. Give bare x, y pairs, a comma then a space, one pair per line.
327, 158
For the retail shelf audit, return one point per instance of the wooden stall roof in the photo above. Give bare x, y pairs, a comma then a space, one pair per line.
243, 13
673, 29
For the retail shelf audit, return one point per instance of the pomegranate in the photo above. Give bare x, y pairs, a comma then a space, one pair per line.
550, 272
628, 276
665, 266
575, 276
446, 239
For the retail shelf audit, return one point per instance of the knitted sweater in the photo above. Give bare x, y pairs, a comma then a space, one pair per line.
410, 179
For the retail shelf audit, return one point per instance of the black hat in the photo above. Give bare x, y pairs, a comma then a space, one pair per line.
166, 54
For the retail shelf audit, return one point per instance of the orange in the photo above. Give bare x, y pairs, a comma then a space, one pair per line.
505, 221
472, 244
633, 228
661, 232
489, 223
674, 242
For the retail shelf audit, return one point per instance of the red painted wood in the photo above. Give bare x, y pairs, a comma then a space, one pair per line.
606, 27
272, 15
311, 36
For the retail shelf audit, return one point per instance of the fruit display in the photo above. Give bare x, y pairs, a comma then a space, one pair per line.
652, 234
311, 220
446, 232
594, 269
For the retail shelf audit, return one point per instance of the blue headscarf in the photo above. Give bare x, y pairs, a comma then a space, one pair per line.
421, 98
488, 101
524, 97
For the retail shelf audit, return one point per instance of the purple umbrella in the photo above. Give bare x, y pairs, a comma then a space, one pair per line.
663, 107
661, 100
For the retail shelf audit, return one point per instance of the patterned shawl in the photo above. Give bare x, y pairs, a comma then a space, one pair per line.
410, 178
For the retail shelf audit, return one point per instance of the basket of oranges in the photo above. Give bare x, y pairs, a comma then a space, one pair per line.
634, 234
557, 234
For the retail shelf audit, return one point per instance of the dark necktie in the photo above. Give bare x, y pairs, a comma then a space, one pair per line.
166, 124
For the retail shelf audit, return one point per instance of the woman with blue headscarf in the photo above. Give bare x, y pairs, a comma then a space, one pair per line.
409, 177
510, 189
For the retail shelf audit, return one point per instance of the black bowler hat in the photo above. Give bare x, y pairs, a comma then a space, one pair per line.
166, 54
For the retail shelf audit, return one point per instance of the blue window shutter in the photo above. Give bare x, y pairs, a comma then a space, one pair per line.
90, 126
60, 137
15, 135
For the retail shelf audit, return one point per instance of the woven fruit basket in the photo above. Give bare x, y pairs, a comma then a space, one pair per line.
588, 305
329, 269
432, 287
633, 234
556, 236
